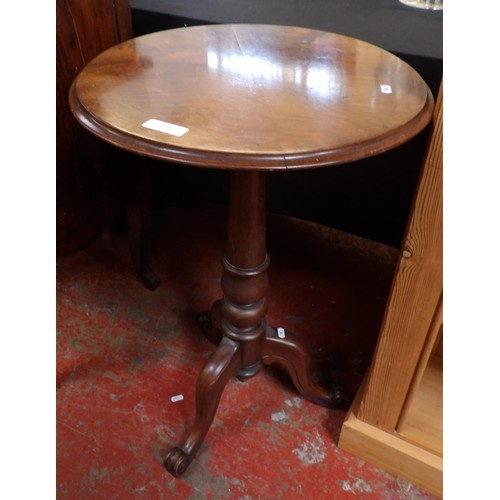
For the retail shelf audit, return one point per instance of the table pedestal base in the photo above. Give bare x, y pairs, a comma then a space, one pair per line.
237, 322
289, 352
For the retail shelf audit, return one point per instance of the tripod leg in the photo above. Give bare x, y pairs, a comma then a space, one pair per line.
214, 376
293, 355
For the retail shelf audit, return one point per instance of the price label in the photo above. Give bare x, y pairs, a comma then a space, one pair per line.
165, 127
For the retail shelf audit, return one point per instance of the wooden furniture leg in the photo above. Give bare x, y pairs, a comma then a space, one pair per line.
138, 222
239, 320
293, 355
239, 315
223, 365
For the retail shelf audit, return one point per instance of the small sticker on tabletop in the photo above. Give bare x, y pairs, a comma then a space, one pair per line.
179, 397
165, 127
386, 89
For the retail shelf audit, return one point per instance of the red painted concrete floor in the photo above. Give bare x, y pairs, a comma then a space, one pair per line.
124, 351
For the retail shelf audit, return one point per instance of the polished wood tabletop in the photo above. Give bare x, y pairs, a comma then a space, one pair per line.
251, 97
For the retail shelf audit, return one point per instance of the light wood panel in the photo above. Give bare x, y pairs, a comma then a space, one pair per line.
438, 348
423, 424
396, 421
422, 367
392, 453
416, 290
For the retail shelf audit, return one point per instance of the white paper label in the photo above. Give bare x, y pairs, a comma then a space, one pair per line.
281, 333
165, 127
386, 89
179, 397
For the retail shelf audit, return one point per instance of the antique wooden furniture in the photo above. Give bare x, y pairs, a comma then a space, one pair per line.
396, 421
250, 99
90, 190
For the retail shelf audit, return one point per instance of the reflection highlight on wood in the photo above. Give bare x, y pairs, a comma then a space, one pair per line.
271, 97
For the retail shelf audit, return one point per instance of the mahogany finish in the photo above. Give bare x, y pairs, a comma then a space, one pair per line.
254, 98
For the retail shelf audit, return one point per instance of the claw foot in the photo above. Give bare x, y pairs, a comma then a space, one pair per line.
177, 462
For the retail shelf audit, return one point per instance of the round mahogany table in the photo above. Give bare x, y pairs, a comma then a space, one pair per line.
250, 99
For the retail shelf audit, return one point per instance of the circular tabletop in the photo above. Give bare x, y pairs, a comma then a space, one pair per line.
251, 97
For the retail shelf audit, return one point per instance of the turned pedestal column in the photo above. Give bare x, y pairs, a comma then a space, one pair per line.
238, 320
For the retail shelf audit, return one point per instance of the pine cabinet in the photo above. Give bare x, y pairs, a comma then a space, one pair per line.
396, 420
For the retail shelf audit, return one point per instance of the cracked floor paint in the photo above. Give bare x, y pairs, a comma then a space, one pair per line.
124, 351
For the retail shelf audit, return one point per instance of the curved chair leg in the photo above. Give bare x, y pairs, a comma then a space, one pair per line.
293, 355
214, 376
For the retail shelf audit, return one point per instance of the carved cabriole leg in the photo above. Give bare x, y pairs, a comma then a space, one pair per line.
223, 365
240, 315
293, 355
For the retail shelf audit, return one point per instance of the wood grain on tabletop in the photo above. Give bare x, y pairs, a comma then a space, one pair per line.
252, 96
